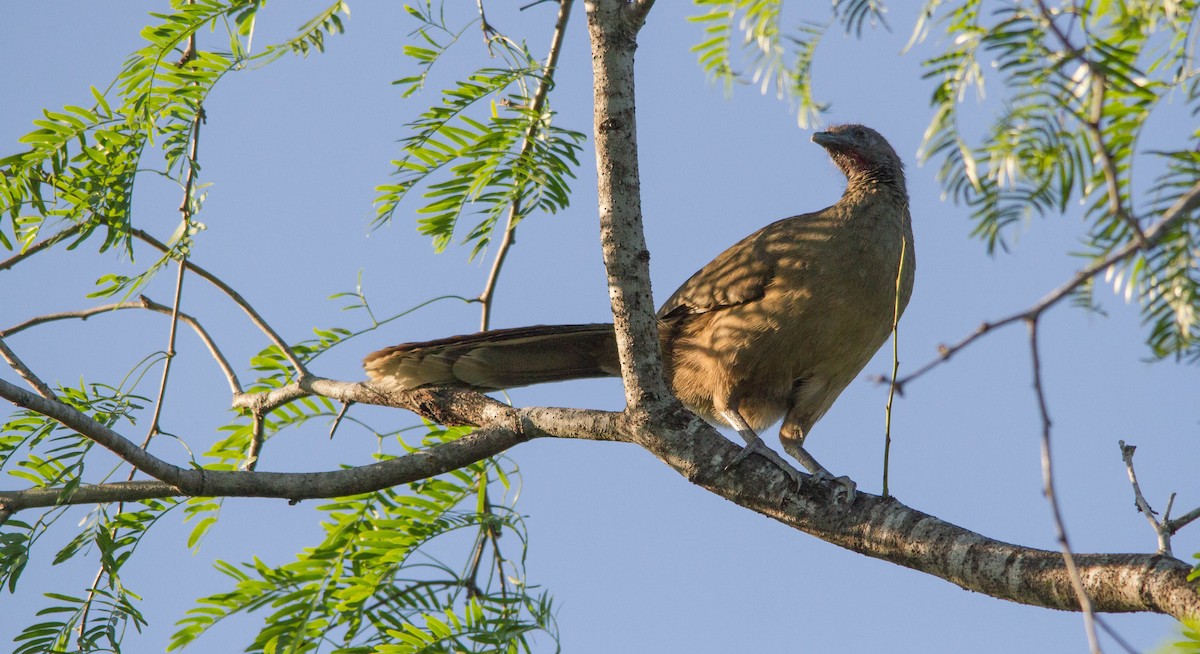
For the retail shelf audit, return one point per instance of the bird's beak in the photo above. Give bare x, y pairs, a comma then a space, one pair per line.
828, 140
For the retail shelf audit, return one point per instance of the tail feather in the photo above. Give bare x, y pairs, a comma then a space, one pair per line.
502, 358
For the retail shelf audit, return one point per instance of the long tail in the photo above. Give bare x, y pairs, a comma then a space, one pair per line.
501, 358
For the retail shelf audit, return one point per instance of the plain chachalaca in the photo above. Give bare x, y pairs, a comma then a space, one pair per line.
774, 327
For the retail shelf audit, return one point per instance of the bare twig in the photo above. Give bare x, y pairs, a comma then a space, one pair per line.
185, 210
1175, 524
486, 27
256, 442
337, 420
1160, 531
41, 245
1085, 602
142, 303
254, 316
87, 608
24, 372
536, 107
887, 411
506, 242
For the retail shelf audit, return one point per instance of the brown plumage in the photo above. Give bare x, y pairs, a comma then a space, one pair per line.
774, 327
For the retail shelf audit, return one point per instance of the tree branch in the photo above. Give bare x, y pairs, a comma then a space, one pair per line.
502, 427
613, 26
185, 209
1161, 529
878, 527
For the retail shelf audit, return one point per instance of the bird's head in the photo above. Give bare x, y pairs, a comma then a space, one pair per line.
862, 154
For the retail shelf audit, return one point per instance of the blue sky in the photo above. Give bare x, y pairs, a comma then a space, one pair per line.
637, 559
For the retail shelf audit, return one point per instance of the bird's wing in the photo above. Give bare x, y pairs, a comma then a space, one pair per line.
737, 276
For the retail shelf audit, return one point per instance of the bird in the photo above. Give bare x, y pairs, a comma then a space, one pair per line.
775, 327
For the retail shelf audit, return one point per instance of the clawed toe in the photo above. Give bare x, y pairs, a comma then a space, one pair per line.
846, 488
750, 448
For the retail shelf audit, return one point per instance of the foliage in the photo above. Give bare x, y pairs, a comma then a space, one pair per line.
505, 156
375, 582
372, 585
1082, 82
778, 58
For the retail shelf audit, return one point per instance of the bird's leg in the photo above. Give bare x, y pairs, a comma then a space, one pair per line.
755, 445
794, 447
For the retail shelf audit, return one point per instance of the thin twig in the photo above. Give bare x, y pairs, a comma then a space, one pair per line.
1164, 537
185, 210
41, 245
887, 412
494, 537
1085, 602
337, 420
508, 239
256, 442
87, 608
535, 110
24, 372
1175, 524
476, 559
142, 303
254, 316
486, 27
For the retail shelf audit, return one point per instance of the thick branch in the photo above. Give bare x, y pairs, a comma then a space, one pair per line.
502, 428
613, 26
874, 526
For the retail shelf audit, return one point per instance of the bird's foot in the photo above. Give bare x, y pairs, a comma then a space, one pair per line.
846, 488
757, 446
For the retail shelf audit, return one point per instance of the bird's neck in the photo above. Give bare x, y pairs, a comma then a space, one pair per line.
874, 187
